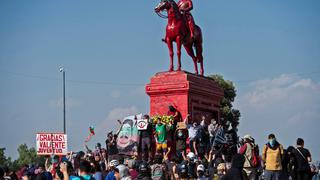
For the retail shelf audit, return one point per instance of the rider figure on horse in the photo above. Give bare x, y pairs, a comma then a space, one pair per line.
185, 6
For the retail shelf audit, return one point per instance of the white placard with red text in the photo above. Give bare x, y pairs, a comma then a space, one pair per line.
52, 143
142, 124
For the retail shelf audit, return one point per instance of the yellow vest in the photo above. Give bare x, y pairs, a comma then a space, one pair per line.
272, 158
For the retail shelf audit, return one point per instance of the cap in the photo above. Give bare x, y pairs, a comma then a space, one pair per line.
221, 166
191, 155
200, 167
113, 163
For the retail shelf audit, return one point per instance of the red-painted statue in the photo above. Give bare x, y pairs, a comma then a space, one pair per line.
182, 30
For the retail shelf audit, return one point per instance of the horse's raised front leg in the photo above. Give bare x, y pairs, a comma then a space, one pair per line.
170, 47
179, 43
190, 52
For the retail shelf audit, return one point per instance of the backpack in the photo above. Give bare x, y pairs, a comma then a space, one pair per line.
255, 161
157, 171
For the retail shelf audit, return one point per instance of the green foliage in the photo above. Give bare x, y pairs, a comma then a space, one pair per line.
26, 156
228, 113
164, 119
5, 161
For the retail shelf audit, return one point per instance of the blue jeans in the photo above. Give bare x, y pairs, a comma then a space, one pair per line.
272, 175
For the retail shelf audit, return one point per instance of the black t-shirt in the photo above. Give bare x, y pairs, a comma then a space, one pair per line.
146, 133
202, 137
111, 148
301, 162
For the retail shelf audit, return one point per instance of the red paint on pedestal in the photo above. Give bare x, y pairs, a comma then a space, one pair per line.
188, 93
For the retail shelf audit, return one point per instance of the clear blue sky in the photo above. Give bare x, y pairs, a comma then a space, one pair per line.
110, 49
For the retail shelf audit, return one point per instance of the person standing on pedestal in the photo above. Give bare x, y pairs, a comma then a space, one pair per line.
145, 140
161, 137
111, 146
201, 142
181, 143
172, 111
192, 131
176, 115
212, 128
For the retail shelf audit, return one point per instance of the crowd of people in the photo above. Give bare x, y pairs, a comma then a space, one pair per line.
179, 151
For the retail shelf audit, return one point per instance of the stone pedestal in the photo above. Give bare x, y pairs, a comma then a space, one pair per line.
187, 92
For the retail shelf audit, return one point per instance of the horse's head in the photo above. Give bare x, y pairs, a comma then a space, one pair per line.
163, 5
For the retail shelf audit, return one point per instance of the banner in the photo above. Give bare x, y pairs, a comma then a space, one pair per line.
127, 141
52, 143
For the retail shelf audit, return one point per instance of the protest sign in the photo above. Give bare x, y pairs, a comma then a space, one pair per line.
142, 124
51, 143
128, 137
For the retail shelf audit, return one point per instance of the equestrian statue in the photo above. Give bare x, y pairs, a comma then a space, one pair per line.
182, 30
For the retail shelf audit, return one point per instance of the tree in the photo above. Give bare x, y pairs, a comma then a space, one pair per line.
5, 161
227, 112
27, 156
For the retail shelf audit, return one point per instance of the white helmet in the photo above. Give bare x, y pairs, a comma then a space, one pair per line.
191, 155
113, 163
123, 171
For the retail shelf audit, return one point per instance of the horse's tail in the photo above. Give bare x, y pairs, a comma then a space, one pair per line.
198, 43
198, 34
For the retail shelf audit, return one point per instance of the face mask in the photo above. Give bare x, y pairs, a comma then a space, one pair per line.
272, 142
194, 125
202, 123
180, 134
54, 161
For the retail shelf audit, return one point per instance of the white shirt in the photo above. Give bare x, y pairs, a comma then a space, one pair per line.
192, 131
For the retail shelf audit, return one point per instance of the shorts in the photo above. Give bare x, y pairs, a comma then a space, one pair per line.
162, 146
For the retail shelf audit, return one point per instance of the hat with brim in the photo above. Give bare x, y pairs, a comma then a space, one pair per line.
249, 137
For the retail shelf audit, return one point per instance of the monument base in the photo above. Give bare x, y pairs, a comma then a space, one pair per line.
187, 92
